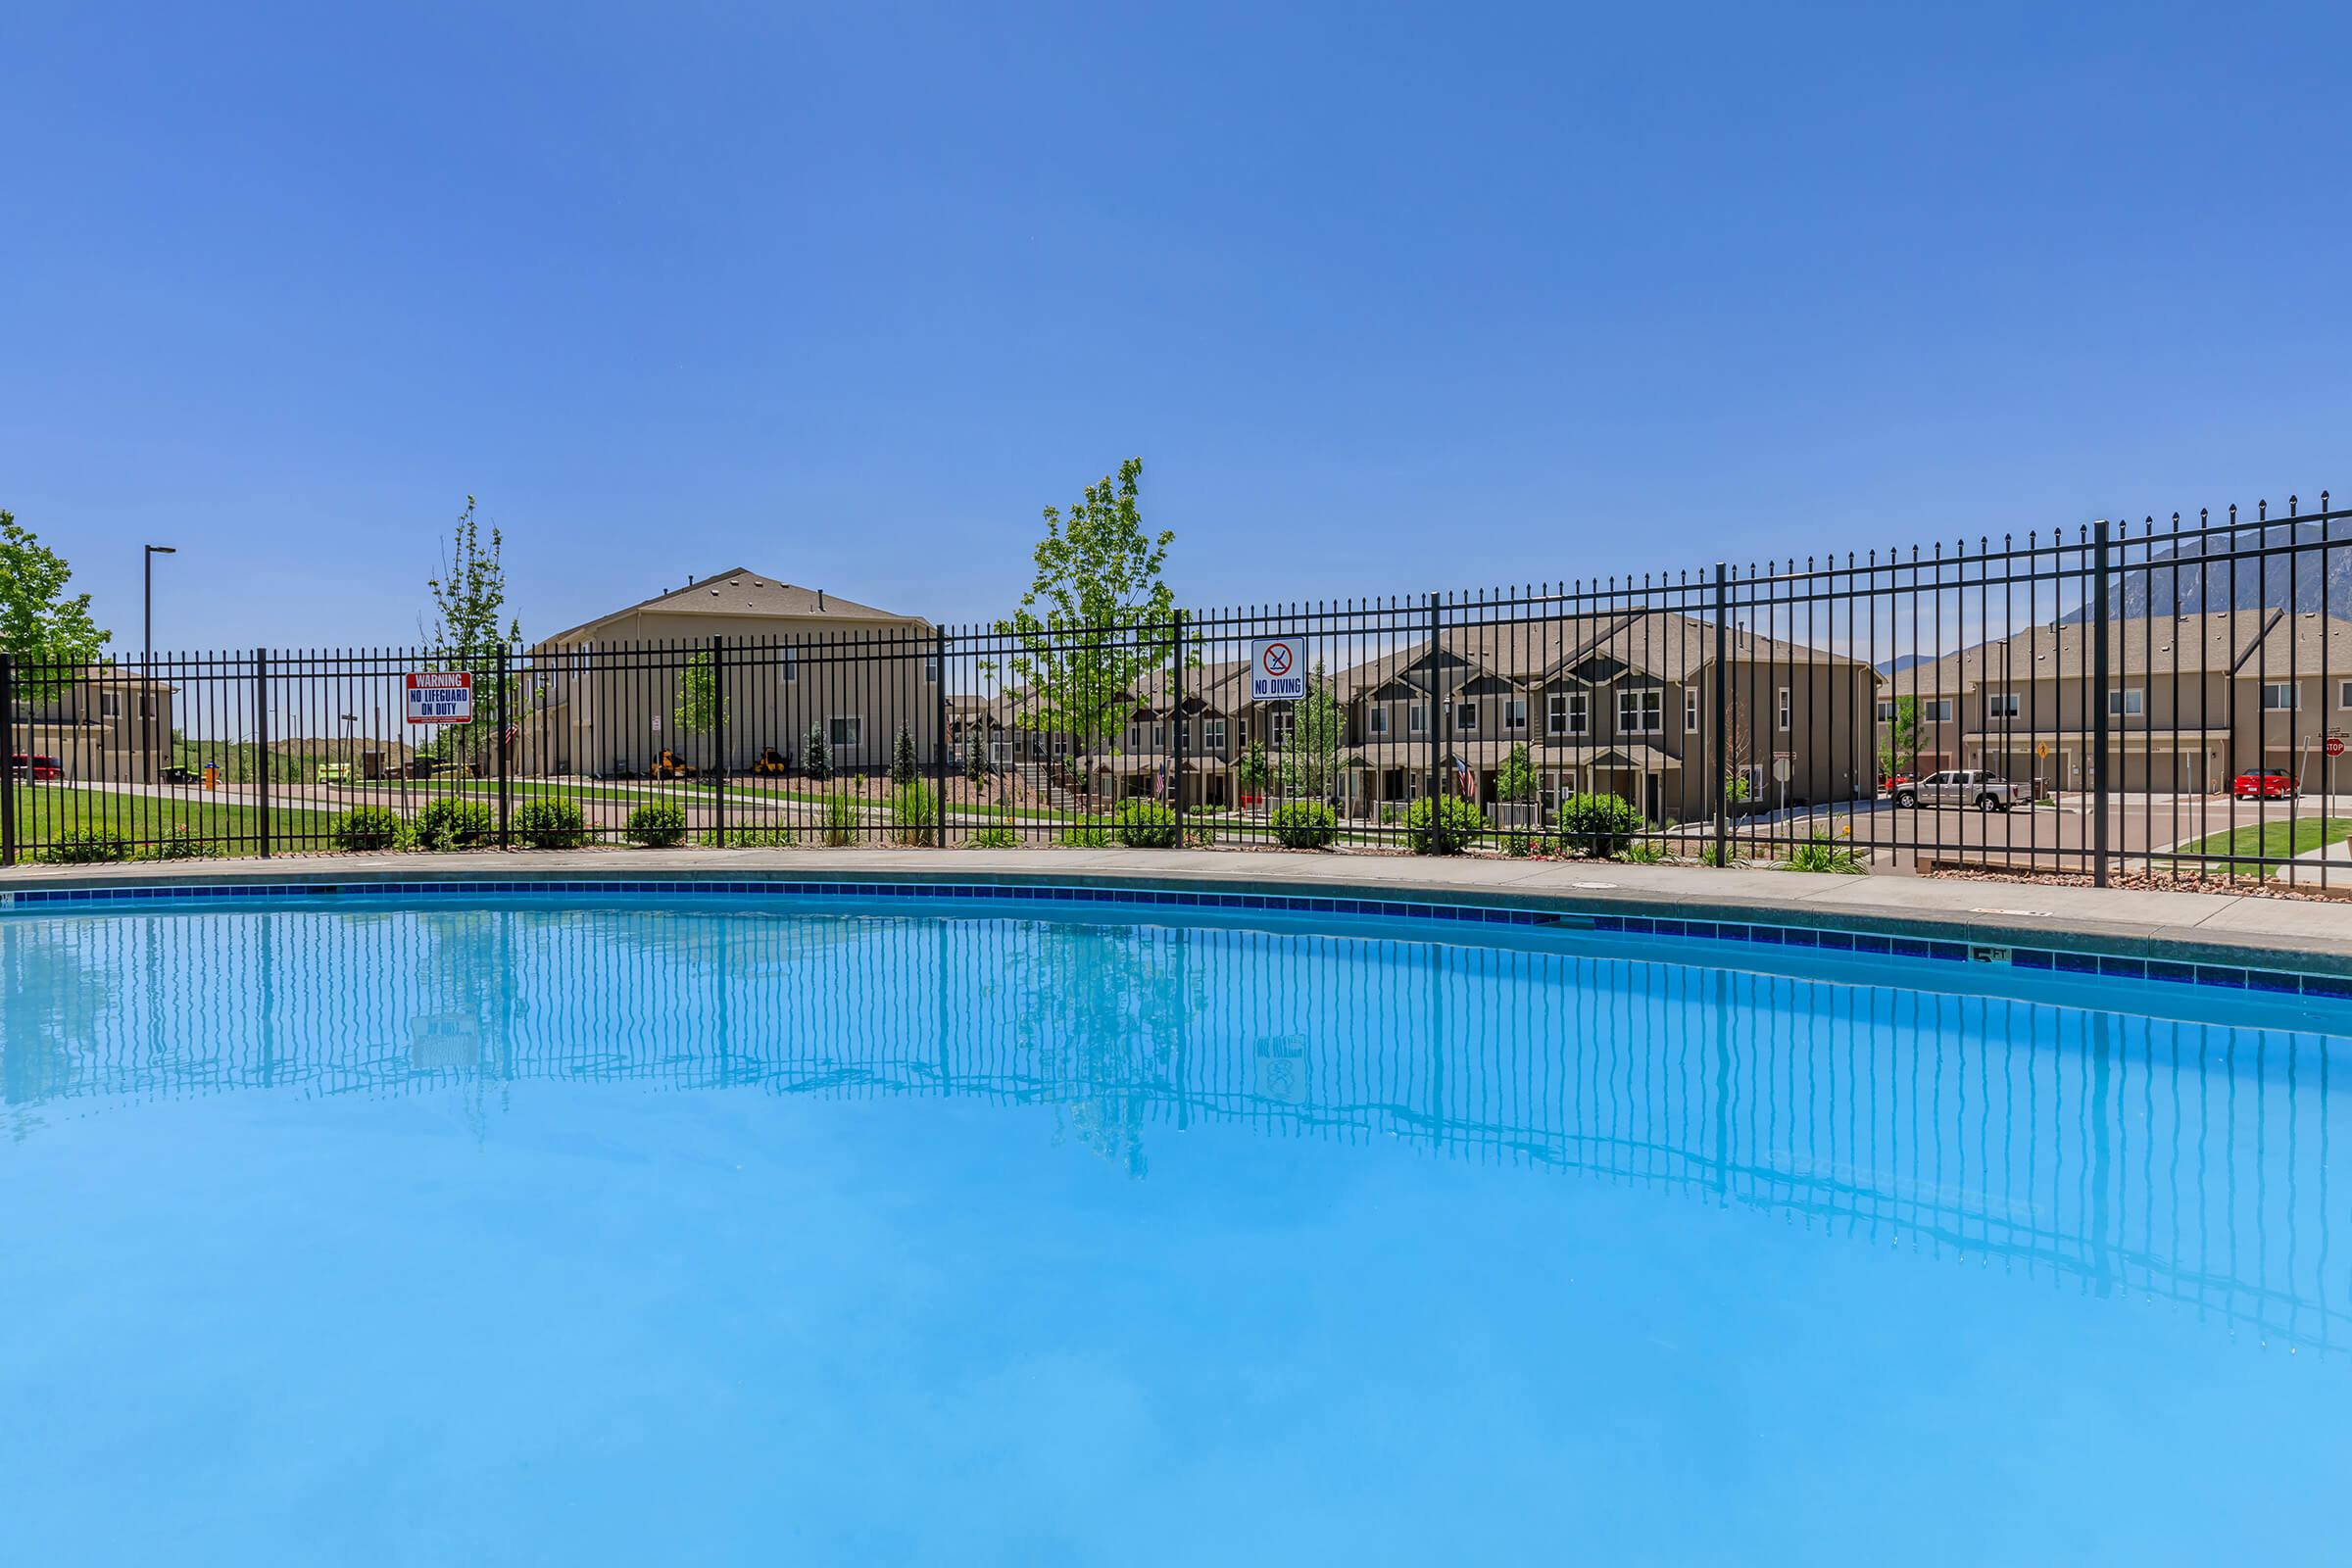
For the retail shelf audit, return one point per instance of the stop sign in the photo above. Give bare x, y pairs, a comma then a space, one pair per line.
2336, 746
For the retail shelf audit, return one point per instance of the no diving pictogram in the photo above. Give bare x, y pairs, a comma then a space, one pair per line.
1278, 659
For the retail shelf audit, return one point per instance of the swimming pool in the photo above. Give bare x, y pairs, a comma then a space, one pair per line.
614, 1228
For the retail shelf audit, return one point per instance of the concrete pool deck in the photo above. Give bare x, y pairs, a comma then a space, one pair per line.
2218, 927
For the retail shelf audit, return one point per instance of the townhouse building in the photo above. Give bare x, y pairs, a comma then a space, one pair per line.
2191, 701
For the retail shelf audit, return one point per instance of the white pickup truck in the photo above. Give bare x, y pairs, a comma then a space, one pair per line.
1986, 791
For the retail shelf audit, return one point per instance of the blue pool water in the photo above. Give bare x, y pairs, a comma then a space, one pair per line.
570, 1233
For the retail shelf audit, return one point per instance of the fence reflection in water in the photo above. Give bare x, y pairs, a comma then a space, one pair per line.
2101, 1151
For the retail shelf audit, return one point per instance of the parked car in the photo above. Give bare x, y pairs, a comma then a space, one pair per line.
181, 773
335, 772
34, 766
1986, 791
2264, 783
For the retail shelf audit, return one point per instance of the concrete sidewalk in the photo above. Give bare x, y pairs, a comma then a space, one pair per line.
2234, 929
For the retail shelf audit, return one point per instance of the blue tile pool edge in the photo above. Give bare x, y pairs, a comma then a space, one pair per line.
1832, 939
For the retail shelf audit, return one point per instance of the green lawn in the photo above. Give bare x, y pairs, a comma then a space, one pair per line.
45, 810
2247, 847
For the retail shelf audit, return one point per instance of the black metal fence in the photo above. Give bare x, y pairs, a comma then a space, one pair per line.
2163, 701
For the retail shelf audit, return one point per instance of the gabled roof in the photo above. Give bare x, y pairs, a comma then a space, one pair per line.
740, 592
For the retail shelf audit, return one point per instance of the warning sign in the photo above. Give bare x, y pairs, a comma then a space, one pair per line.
1277, 669
440, 697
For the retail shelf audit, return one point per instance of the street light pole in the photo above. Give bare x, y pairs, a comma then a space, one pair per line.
147, 704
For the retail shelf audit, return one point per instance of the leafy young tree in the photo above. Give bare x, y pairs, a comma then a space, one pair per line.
1310, 763
1899, 748
702, 706
904, 768
469, 597
817, 757
39, 624
1516, 781
1075, 646
1252, 770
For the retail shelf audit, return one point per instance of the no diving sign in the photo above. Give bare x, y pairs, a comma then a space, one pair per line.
1277, 668
441, 697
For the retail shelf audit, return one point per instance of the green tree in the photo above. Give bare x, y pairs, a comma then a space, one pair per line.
817, 757
1899, 748
1516, 781
1310, 762
469, 599
1078, 642
904, 768
975, 764
702, 706
38, 624
1252, 770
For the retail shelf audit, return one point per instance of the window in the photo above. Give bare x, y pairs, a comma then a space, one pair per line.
1936, 710
846, 733
1159, 737
931, 668
1514, 713
1690, 709
2281, 696
1278, 726
1377, 717
2124, 704
2343, 696
110, 704
1781, 708
1640, 712
788, 663
1135, 737
2000, 705
1565, 713
1416, 718
1465, 718
1212, 734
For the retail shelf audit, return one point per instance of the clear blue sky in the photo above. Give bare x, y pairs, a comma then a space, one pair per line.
1386, 298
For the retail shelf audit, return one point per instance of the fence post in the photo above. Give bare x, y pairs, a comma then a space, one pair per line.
718, 733
939, 730
261, 736
504, 795
2101, 674
1720, 717
1430, 711
8, 733
1176, 718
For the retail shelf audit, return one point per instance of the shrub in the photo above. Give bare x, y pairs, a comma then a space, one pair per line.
995, 837
775, 836
1601, 826
914, 812
817, 757
179, 845
89, 846
1821, 852
1305, 824
1085, 838
657, 824
448, 825
1144, 825
1645, 852
550, 824
368, 828
842, 821
904, 770
1445, 825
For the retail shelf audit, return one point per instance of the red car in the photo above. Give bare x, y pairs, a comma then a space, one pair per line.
21, 766
2264, 783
